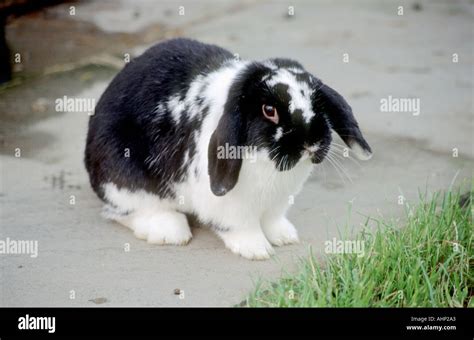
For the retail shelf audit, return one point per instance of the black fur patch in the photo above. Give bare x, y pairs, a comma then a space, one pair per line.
126, 121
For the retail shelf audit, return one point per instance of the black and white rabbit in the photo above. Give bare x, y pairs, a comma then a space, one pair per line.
166, 134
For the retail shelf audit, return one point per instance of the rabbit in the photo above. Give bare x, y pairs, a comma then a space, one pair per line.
164, 144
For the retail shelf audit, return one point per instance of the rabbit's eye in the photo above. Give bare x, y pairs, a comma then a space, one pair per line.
270, 112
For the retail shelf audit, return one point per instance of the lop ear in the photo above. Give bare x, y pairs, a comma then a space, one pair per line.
339, 115
230, 133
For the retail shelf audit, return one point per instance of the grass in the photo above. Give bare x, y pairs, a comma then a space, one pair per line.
428, 262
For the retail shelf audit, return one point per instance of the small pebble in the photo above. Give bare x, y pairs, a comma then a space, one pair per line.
99, 300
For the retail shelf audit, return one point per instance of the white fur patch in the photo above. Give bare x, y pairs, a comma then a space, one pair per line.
129, 200
278, 134
194, 90
279, 231
176, 107
295, 70
271, 65
362, 154
250, 243
299, 92
313, 148
150, 217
